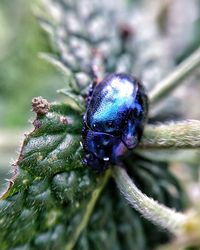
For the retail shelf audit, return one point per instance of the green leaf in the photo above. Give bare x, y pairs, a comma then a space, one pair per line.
50, 183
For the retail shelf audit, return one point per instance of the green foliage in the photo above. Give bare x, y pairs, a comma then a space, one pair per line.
49, 198
50, 187
52, 201
51, 191
115, 225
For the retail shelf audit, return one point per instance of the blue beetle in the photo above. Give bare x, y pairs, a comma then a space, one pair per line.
114, 120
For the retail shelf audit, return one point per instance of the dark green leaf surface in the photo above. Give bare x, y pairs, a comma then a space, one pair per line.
50, 185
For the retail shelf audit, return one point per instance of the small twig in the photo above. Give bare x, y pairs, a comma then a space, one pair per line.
181, 135
149, 208
184, 134
173, 80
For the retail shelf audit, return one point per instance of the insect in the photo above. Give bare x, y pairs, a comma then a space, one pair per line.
114, 119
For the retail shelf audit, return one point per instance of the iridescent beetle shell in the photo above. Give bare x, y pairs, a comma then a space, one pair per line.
114, 119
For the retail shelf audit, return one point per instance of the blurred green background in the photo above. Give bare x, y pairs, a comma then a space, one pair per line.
23, 75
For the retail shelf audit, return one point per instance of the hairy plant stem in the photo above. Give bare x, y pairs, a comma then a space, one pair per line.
88, 211
149, 208
183, 134
165, 86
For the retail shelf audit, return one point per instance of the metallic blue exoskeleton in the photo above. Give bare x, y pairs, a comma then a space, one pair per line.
114, 119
